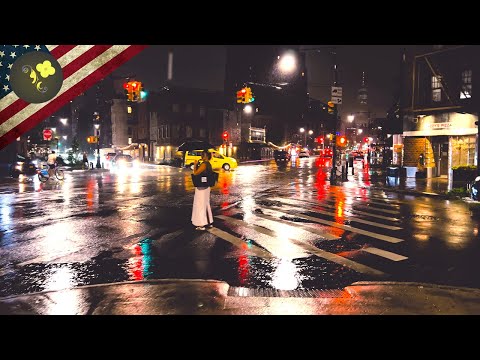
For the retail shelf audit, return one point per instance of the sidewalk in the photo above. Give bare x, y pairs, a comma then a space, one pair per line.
210, 297
437, 187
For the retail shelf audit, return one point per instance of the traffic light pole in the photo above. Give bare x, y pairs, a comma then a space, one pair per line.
333, 173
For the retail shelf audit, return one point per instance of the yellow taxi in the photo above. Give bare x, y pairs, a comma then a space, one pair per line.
218, 161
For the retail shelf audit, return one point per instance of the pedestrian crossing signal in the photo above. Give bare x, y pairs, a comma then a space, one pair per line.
92, 139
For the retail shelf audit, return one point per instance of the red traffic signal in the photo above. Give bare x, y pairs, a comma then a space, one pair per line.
365, 139
225, 135
341, 141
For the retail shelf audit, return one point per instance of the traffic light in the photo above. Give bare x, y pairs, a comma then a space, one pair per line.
341, 141
365, 140
248, 95
331, 107
133, 91
241, 96
92, 139
225, 136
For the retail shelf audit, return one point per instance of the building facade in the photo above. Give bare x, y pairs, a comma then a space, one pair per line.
439, 130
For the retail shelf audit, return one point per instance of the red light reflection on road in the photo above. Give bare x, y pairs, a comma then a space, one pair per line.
243, 268
90, 192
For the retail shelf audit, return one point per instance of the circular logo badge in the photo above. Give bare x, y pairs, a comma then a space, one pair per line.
36, 77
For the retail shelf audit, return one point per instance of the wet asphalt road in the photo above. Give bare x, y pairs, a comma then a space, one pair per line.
276, 227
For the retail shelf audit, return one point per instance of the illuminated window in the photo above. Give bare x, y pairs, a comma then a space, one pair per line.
164, 132
436, 89
463, 150
466, 92
129, 109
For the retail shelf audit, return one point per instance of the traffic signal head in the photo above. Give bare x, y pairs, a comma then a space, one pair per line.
341, 141
241, 96
365, 139
331, 107
225, 135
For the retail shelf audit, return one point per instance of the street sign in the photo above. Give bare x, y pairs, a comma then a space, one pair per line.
47, 134
336, 91
337, 100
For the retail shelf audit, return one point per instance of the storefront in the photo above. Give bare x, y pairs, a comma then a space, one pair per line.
439, 142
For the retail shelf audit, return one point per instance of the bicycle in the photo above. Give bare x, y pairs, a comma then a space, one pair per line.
44, 175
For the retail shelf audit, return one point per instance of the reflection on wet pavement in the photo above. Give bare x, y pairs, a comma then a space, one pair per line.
95, 228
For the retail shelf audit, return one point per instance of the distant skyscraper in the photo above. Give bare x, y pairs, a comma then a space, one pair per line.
363, 91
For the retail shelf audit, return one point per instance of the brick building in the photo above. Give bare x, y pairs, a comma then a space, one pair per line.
439, 130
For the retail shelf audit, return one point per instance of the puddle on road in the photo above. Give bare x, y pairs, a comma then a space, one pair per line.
245, 271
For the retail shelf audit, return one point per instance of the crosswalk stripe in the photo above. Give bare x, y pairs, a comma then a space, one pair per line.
364, 269
269, 232
356, 219
386, 238
352, 211
257, 251
368, 207
312, 249
323, 234
277, 247
394, 212
386, 254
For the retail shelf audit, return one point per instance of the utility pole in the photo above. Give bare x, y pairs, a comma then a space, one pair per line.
333, 174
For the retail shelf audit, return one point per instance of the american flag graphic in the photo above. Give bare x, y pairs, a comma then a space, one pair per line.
82, 66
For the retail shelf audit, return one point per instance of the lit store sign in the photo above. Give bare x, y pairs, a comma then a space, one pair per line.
434, 126
444, 124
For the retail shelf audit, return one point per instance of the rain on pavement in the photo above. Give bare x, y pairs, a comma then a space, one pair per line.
276, 226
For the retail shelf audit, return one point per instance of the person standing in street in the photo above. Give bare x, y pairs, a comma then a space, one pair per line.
85, 160
202, 212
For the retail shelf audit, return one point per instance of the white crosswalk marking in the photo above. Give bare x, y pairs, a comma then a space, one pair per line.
303, 245
386, 238
356, 219
351, 211
279, 247
238, 242
386, 254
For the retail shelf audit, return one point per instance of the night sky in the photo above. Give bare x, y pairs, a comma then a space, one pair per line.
203, 66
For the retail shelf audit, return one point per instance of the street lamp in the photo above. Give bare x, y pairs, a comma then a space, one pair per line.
360, 131
287, 63
248, 109
303, 131
97, 134
64, 121
351, 118
53, 129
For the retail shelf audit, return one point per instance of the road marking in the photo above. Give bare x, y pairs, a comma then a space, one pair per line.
394, 212
308, 247
358, 211
279, 247
386, 238
340, 260
351, 211
238, 242
323, 234
356, 219
386, 254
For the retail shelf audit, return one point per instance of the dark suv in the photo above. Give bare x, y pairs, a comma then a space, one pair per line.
281, 155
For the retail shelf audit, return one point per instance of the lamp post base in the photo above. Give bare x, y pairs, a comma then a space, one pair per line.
98, 166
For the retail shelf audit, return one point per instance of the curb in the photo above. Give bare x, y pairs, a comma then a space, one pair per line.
410, 192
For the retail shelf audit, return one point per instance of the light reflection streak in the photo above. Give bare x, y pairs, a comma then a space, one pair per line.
286, 276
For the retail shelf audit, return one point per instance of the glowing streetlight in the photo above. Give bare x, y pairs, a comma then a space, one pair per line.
360, 131
351, 118
97, 126
248, 109
310, 132
287, 63
302, 130
64, 121
53, 129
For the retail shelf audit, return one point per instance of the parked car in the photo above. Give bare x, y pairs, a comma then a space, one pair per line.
23, 166
218, 161
475, 192
281, 155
